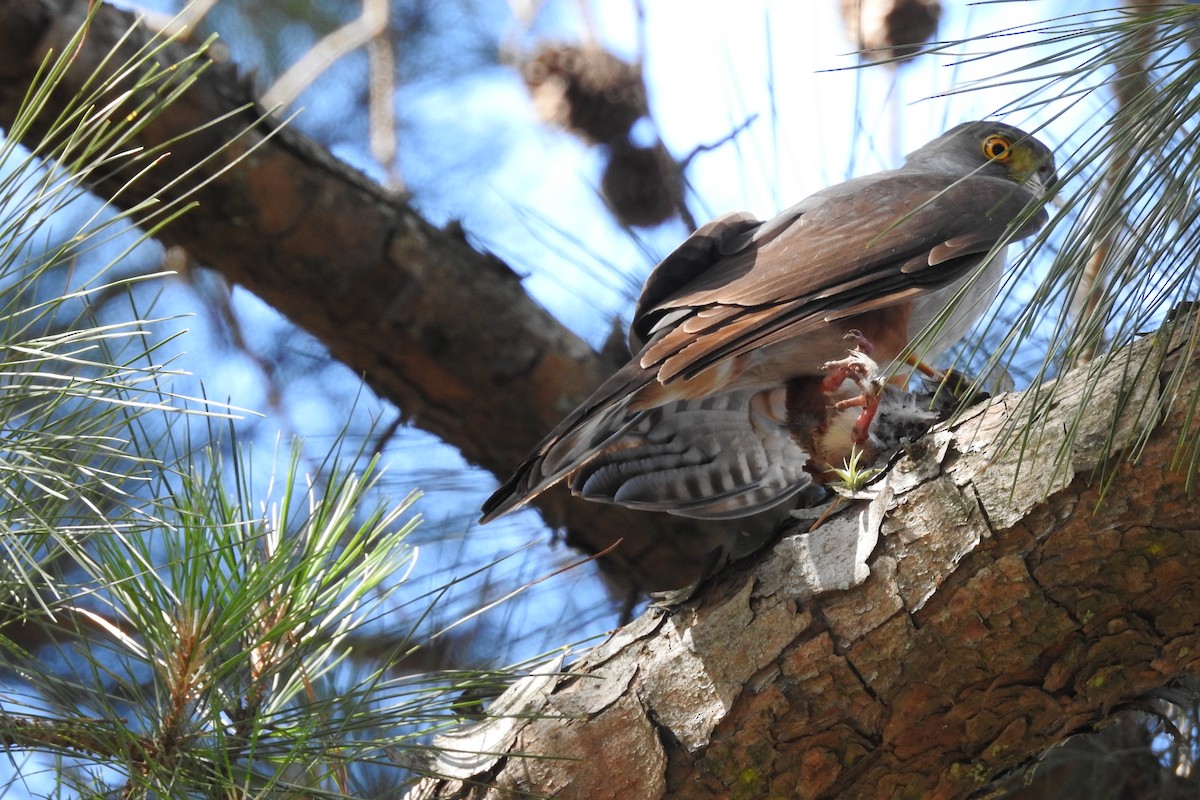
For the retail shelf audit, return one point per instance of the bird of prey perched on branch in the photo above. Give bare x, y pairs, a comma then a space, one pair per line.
739, 393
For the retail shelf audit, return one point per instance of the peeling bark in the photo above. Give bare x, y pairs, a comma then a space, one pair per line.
445, 332
1009, 604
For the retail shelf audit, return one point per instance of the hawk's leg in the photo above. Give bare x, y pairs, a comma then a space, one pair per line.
858, 366
862, 371
868, 401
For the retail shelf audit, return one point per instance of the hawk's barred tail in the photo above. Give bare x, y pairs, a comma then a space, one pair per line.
720, 457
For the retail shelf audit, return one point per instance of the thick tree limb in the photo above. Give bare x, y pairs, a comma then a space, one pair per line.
1000, 616
442, 330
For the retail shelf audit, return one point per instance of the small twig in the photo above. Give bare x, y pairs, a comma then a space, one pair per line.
387, 434
726, 139
89, 735
381, 110
525, 11
322, 55
588, 23
834, 505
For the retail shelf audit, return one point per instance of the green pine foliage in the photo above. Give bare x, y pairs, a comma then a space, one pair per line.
171, 625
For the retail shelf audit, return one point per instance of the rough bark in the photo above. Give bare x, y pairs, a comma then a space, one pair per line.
1014, 598
445, 332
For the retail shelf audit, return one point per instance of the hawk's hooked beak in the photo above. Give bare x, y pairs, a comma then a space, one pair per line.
1044, 180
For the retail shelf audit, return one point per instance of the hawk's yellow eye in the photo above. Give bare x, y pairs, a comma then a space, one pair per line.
996, 147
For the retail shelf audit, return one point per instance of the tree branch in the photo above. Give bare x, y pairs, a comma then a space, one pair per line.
1010, 603
442, 330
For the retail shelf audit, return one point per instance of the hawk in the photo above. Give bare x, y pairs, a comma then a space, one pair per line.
735, 398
